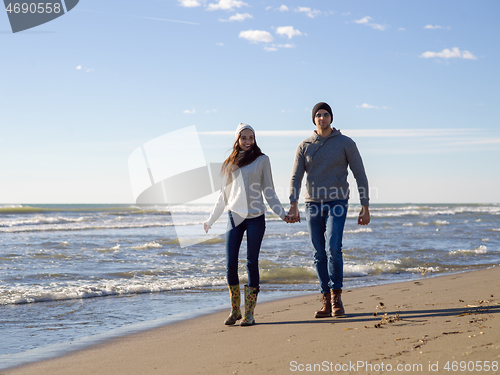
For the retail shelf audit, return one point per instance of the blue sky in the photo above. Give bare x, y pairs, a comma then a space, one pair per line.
415, 84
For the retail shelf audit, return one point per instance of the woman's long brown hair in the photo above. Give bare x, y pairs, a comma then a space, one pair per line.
239, 159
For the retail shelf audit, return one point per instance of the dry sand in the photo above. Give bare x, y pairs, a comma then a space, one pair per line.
420, 326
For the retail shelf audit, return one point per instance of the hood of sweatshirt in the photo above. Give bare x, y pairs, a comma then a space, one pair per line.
312, 144
315, 137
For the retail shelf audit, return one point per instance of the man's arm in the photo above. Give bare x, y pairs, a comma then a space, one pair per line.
298, 171
358, 170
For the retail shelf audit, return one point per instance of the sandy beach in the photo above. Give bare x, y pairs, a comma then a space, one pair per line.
445, 324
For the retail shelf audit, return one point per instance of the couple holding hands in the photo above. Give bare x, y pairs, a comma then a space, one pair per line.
324, 158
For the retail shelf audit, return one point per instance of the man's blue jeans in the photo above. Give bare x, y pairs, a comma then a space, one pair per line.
325, 222
255, 229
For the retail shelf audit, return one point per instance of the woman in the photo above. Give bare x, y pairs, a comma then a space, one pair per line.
246, 177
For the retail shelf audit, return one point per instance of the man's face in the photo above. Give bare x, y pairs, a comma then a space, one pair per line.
322, 119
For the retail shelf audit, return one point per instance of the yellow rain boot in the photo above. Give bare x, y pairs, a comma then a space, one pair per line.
234, 293
250, 302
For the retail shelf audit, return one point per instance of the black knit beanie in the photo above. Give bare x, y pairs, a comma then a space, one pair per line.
326, 107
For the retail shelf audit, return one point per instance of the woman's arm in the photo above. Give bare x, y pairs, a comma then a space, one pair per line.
218, 208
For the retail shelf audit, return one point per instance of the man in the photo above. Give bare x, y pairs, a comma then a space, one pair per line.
324, 157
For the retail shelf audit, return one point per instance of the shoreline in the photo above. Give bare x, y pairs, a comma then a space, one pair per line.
443, 318
51, 351
61, 349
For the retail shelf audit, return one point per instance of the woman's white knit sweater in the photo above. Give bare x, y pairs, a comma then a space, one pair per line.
244, 193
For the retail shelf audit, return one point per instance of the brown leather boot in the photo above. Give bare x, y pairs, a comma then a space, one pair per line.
337, 306
326, 310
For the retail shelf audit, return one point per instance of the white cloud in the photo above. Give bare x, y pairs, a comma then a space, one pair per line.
371, 133
189, 112
449, 54
275, 47
311, 13
434, 27
468, 55
369, 106
255, 36
483, 141
226, 5
220, 44
237, 17
366, 21
288, 31
346, 14
283, 8
189, 3
411, 133
86, 70
402, 29
363, 20
270, 49
376, 26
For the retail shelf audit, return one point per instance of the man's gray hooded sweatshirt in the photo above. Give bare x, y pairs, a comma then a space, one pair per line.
325, 161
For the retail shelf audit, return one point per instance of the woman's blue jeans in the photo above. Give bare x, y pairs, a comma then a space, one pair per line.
325, 222
255, 228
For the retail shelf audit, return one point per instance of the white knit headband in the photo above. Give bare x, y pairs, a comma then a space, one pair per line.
242, 127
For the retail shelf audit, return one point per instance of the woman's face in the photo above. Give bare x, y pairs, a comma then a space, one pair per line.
247, 140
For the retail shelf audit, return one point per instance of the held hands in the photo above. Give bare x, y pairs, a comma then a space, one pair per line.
293, 214
364, 216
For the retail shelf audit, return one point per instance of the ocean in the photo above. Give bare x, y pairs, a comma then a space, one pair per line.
74, 275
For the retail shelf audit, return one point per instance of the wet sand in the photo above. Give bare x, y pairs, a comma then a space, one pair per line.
420, 326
